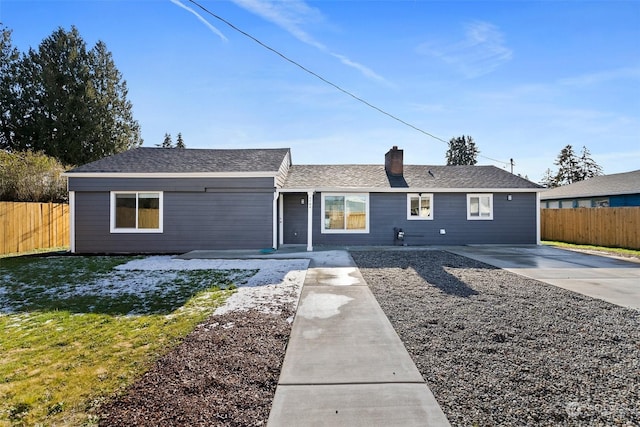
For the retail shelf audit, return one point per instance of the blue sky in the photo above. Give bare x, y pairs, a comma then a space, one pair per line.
523, 78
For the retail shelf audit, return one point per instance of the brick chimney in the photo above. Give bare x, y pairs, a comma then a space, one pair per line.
393, 163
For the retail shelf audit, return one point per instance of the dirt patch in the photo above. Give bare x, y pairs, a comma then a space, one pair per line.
224, 373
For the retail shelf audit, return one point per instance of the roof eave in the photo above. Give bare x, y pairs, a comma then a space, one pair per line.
170, 174
286, 189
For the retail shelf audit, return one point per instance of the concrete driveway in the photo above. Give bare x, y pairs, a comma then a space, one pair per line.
610, 279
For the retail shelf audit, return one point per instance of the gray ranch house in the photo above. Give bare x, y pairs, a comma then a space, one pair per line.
159, 200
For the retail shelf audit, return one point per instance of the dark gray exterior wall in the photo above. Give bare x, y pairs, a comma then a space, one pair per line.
214, 213
514, 222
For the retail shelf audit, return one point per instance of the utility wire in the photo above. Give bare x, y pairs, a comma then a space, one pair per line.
305, 69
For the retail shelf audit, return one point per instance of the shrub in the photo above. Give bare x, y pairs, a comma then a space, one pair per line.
31, 177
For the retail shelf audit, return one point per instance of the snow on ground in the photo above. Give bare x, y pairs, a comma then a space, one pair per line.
278, 282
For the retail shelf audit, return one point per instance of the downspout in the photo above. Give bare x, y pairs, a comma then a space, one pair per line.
538, 241
274, 241
309, 221
72, 221
280, 219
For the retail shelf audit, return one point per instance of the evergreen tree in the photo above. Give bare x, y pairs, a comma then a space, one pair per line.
180, 143
71, 102
9, 57
568, 167
588, 167
462, 151
548, 179
116, 129
572, 168
167, 142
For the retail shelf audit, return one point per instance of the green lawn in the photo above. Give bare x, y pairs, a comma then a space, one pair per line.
74, 330
613, 251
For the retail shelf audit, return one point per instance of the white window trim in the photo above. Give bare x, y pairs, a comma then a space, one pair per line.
112, 216
420, 196
480, 218
323, 230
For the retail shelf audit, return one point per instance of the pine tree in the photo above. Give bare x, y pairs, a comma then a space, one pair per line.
71, 102
572, 168
9, 57
462, 151
548, 179
180, 143
167, 142
568, 167
588, 167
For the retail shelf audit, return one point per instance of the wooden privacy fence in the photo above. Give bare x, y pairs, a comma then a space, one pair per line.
610, 227
28, 226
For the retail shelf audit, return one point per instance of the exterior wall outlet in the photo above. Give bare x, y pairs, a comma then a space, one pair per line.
443, 231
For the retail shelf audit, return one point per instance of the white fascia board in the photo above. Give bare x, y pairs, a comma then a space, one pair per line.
171, 175
544, 196
409, 190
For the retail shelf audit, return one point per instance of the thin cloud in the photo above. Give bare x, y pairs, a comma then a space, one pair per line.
602, 77
201, 19
481, 52
291, 16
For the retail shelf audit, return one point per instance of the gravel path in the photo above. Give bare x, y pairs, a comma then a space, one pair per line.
500, 349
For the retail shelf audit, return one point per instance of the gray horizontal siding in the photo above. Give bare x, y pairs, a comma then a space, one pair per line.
514, 222
191, 221
170, 184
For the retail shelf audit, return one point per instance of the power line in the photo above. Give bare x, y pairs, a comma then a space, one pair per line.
305, 69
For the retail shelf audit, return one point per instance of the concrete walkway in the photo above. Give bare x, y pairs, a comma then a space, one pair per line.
345, 365
607, 278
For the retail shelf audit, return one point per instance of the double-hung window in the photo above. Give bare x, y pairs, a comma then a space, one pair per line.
479, 206
345, 213
419, 206
136, 212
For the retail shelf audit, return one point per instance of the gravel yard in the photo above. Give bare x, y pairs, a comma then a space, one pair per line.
500, 349
223, 374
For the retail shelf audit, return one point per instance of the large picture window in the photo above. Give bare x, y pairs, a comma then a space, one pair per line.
480, 206
345, 213
136, 212
419, 206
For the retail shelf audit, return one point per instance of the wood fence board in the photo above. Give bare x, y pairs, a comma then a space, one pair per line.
612, 227
28, 226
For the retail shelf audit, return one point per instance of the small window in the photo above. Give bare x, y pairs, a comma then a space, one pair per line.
136, 212
419, 206
479, 206
345, 213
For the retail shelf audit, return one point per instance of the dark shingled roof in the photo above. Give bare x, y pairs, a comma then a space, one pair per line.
605, 185
187, 160
415, 176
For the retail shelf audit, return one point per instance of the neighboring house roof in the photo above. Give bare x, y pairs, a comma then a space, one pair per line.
414, 176
598, 186
177, 160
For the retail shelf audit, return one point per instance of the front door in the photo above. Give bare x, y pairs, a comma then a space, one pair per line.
294, 218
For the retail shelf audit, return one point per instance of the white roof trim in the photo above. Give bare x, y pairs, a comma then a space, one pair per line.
408, 190
171, 175
586, 195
